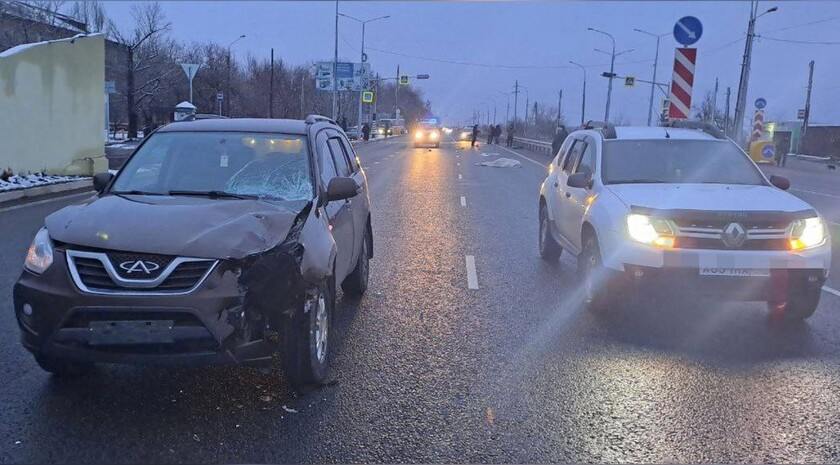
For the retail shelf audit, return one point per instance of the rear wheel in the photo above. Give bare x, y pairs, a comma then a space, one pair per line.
799, 307
307, 339
550, 250
63, 368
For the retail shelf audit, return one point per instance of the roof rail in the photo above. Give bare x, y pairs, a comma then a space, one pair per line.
607, 129
312, 119
708, 128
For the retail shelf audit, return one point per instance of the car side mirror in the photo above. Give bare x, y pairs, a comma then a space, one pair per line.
580, 180
781, 182
101, 180
341, 188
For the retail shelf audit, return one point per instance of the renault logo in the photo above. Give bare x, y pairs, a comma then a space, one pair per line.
139, 265
734, 235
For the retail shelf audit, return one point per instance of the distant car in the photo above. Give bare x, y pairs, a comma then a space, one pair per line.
655, 209
220, 241
425, 135
465, 133
353, 133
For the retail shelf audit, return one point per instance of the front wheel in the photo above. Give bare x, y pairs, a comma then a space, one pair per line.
799, 307
306, 339
356, 283
550, 250
599, 294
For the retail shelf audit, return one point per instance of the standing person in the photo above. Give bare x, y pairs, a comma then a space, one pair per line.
366, 132
475, 132
559, 136
497, 132
510, 135
490, 132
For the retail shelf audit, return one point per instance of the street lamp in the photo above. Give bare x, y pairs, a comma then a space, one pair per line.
743, 82
227, 97
583, 99
363, 56
655, 64
507, 108
612, 70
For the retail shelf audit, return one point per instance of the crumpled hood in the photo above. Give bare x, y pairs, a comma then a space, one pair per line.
710, 197
183, 226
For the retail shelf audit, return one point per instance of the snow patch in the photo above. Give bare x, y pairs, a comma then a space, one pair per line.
23, 47
501, 163
35, 180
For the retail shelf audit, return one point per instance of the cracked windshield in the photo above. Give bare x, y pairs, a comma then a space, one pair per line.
419, 231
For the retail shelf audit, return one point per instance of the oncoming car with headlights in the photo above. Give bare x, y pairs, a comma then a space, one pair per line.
426, 133
220, 241
680, 209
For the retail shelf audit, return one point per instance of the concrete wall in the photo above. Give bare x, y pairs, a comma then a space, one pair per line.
52, 101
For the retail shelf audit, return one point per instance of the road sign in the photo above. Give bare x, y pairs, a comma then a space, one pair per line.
367, 96
422, 76
768, 152
364, 57
349, 76
760, 103
403, 80
190, 69
607, 74
688, 30
682, 83
629, 81
220, 96
800, 114
758, 125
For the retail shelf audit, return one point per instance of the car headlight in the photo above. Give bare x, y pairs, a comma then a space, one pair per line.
40, 254
418, 135
807, 233
434, 135
651, 231
464, 135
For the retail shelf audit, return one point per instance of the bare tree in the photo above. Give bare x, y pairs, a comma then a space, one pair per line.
707, 111
144, 51
92, 13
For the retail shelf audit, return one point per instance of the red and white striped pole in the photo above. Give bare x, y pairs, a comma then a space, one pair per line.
682, 83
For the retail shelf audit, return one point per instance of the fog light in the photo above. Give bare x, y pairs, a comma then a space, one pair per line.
27, 309
638, 273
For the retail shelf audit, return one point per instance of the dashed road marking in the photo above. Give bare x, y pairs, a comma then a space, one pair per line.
463, 201
460, 177
472, 276
541, 165
459, 163
831, 291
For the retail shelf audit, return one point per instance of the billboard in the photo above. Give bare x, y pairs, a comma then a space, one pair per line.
349, 76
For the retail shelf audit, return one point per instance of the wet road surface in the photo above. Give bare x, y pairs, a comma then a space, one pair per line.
455, 359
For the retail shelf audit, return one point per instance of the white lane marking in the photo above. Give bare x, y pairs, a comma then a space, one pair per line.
376, 163
459, 163
831, 291
463, 201
541, 165
472, 276
50, 200
833, 196
460, 177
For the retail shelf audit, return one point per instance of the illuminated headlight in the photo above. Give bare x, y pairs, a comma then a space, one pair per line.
40, 254
418, 135
381, 131
464, 135
807, 233
434, 135
651, 231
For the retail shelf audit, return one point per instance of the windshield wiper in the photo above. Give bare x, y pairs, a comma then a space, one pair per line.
134, 192
638, 181
213, 194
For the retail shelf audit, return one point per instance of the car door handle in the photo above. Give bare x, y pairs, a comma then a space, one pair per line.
568, 195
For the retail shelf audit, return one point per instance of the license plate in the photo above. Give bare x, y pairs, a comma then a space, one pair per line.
736, 272
130, 332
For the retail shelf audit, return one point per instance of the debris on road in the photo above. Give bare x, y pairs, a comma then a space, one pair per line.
486, 154
196, 438
490, 415
290, 410
501, 163
265, 398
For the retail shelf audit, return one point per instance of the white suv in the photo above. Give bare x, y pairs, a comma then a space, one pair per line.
681, 208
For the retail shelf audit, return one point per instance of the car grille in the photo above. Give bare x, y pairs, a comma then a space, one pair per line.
101, 272
710, 235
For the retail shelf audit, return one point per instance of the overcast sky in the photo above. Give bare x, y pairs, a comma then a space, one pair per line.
540, 38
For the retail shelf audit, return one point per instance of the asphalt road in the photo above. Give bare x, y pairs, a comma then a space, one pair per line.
440, 364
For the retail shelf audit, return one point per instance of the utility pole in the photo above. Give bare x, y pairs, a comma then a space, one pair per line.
743, 82
714, 104
583, 98
726, 115
335, 69
302, 91
397, 94
227, 91
559, 106
653, 79
612, 72
271, 88
363, 56
808, 100
515, 102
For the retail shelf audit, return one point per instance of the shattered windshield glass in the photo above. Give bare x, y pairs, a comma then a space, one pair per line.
270, 166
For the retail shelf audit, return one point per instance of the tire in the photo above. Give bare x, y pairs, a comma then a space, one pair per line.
306, 339
63, 368
356, 283
799, 308
599, 292
550, 250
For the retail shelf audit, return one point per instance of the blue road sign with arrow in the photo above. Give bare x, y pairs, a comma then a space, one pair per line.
688, 30
768, 152
760, 103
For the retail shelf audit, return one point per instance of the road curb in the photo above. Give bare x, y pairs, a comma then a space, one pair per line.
35, 193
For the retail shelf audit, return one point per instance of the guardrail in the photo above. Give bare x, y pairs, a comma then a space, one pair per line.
533, 145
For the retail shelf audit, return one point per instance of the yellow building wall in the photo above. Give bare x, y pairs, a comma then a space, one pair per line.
52, 107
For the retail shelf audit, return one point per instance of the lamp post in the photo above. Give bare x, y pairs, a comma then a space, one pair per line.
612, 55
612, 70
363, 22
583, 98
227, 91
655, 64
507, 108
743, 82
